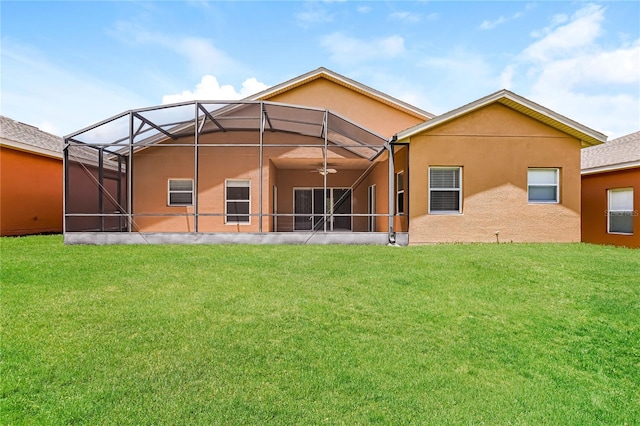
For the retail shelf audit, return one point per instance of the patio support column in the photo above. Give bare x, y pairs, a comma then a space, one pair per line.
119, 192
195, 167
392, 191
65, 185
101, 186
262, 117
130, 176
324, 167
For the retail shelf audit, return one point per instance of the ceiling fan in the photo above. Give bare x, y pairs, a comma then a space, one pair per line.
324, 171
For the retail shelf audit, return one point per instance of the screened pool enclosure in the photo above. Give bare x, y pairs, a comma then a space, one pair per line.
230, 172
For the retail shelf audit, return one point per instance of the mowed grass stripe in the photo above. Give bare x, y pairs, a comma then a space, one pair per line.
446, 334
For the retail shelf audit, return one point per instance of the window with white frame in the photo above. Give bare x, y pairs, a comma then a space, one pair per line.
620, 211
400, 192
237, 201
180, 192
543, 185
445, 190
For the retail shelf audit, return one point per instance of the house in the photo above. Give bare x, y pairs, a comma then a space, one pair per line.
501, 168
324, 159
611, 192
30, 180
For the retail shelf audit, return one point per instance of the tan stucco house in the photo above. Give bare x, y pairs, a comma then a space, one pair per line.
324, 159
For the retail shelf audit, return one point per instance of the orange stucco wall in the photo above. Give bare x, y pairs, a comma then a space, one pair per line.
495, 146
31, 193
595, 204
363, 110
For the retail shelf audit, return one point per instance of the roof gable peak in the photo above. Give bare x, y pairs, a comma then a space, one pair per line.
518, 103
334, 77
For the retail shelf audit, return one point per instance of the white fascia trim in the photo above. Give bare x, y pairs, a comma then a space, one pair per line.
611, 167
345, 81
496, 97
19, 146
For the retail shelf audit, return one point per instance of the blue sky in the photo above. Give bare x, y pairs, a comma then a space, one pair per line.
66, 65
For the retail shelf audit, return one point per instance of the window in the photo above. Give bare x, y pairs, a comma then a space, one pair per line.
180, 192
543, 185
445, 189
620, 211
400, 192
238, 201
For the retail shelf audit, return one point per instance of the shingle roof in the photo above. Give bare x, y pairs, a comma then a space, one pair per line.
29, 136
619, 153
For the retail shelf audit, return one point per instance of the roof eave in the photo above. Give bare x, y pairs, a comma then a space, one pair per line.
344, 81
587, 136
33, 149
610, 167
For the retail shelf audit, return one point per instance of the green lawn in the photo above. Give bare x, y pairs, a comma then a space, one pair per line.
447, 334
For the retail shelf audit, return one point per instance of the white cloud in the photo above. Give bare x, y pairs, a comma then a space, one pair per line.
489, 25
201, 53
313, 15
405, 17
569, 71
210, 89
349, 50
41, 93
506, 77
457, 78
582, 30
364, 9
556, 20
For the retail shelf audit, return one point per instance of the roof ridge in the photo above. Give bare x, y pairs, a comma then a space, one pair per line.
337, 77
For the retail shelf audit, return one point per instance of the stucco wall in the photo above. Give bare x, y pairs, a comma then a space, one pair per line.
31, 194
495, 146
363, 110
379, 176
595, 205
154, 166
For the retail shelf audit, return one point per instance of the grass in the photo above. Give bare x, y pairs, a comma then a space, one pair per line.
447, 334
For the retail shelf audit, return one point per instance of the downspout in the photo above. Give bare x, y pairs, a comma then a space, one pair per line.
392, 190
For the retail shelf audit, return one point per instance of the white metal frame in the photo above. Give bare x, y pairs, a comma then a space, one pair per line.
459, 190
226, 202
610, 210
170, 191
399, 205
556, 184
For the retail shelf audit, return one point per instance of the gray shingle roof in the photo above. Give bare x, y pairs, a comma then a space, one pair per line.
15, 131
616, 154
24, 136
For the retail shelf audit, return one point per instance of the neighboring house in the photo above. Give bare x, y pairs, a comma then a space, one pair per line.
30, 180
611, 192
324, 159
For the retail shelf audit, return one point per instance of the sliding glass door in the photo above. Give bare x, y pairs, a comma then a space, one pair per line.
309, 205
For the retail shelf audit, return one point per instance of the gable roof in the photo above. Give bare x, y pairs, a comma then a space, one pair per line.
505, 97
25, 137
345, 82
620, 153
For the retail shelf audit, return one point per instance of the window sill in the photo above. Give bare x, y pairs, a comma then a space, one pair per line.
543, 202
